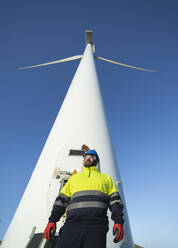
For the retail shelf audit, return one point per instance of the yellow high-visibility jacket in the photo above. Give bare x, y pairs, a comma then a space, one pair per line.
86, 197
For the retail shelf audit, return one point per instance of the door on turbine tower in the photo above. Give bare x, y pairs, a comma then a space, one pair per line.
61, 174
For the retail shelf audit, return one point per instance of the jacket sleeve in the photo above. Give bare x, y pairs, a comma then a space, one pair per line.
115, 204
60, 203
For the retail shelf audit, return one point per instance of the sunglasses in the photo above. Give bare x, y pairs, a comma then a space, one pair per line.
89, 156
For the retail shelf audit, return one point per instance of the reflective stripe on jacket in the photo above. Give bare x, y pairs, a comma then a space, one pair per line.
86, 197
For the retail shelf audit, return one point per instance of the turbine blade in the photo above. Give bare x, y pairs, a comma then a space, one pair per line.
118, 63
53, 62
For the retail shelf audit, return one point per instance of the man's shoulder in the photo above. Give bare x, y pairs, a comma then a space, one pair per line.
76, 175
106, 176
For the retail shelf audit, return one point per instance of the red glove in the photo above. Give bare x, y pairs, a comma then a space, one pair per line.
47, 231
118, 232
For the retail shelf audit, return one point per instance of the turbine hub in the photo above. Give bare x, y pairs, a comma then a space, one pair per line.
89, 36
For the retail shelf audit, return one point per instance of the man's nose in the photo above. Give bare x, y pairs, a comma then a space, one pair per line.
89, 159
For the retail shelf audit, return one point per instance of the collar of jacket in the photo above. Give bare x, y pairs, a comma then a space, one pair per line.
91, 168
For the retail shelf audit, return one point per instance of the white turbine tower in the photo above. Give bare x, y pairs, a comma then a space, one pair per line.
75, 125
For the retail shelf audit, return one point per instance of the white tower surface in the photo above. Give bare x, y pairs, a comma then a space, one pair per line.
81, 120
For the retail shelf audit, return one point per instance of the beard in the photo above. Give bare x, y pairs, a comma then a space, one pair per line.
90, 163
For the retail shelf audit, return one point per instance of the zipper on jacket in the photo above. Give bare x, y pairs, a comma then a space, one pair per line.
89, 172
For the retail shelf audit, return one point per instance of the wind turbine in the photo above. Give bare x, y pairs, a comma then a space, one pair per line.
76, 124
89, 40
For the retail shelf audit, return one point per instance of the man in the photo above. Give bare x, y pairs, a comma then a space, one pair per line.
87, 196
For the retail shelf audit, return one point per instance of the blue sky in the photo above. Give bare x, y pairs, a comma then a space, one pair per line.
141, 107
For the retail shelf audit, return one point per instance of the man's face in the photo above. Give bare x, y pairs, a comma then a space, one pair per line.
89, 160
